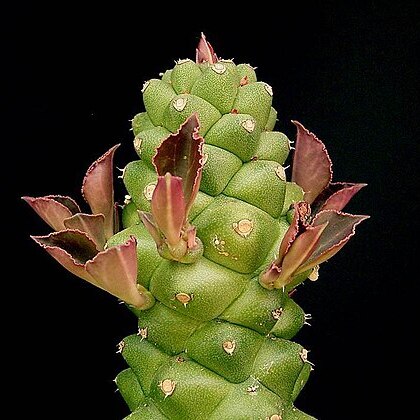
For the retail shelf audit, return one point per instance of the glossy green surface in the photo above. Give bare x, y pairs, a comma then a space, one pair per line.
215, 345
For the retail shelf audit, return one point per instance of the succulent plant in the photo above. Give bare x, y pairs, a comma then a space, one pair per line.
214, 242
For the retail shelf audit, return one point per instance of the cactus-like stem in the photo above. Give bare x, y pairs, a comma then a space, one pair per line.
215, 241
231, 366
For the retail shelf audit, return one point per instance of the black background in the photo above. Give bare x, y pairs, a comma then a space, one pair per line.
73, 79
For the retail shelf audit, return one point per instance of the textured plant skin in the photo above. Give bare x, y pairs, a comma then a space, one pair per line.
214, 241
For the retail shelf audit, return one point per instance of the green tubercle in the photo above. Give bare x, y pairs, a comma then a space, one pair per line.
227, 349
130, 389
219, 167
271, 121
246, 70
202, 290
141, 122
294, 193
255, 308
166, 329
135, 349
273, 145
218, 85
183, 390
250, 400
146, 142
255, 99
140, 181
261, 183
289, 317
184, 75
232, 230
302, 379
156, 97
278, 366
166, 76
130, 215
201, 202
237, 133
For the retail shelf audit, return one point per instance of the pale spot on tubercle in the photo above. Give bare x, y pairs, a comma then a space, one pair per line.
179, 104
167, 386
148, 190
184, 298
249, 125
244, 227
218, 68
229, 346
